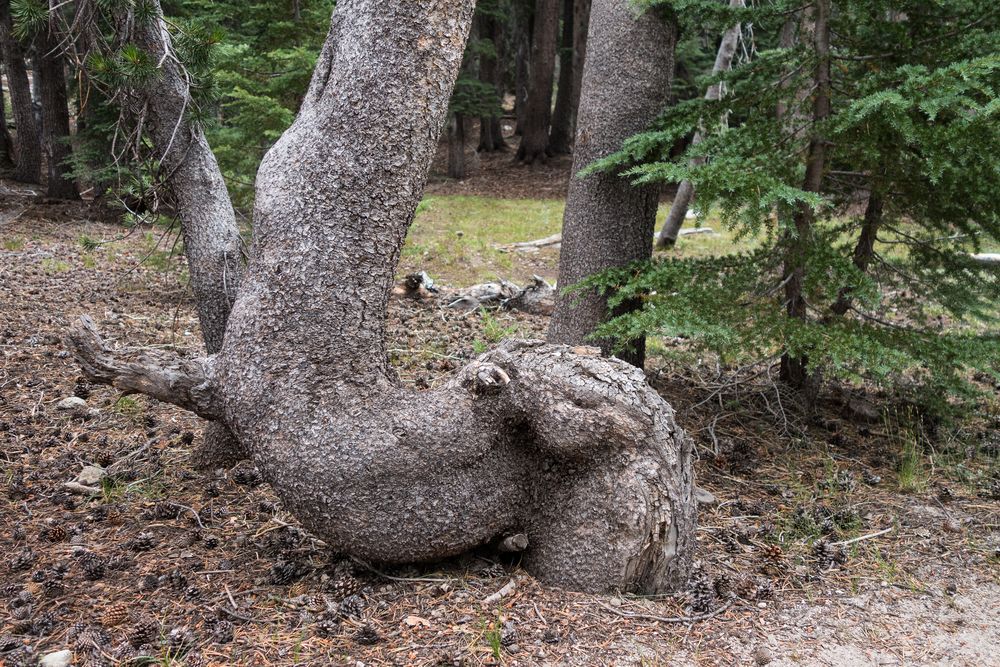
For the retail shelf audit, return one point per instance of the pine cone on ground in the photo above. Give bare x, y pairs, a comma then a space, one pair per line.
55, 533
8, 643
146, 631
93, 566
82, 388
367, 636
493, 571
702, 595
53, 588
181, 640
23, 560
345, 584
114, 615
746, 588
827, 555
723, 587
327, 626
353, 606
223, 631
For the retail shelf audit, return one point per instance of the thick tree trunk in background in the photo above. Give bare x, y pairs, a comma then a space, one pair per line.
456, 146
609, 222
55, 117
685, 192
538, 107
28, 167
561, 132
212, 242
491, 72
6, 145
794, 367
575, 451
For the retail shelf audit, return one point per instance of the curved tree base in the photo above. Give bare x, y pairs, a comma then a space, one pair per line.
574, 450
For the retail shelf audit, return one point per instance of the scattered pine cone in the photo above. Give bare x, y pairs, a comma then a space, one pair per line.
53, 588
827, 555
93, 566
181, 640
723, 587
23, 560
115, 615
367, 636
82, 388
702, 595
344, 585
141, 542
223, 631
773, 553
327, 626
146, 631
493, 571
55, 533
353, 606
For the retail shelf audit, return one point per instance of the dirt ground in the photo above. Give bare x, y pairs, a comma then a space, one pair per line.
810, 554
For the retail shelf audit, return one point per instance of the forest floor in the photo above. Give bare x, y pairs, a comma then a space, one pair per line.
853, 534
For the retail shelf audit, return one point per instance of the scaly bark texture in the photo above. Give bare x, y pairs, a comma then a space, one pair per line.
55, 116
571, 449
685, 192
538, 106
561, 132
609, 222
212, 242
28, 166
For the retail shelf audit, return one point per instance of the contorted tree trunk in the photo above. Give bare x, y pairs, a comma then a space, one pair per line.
574, 450
538, 107
685, 192
55, 115
212, 241
28, 167
609, 222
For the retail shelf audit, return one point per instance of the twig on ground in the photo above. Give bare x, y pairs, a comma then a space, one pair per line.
667, 619
854, 540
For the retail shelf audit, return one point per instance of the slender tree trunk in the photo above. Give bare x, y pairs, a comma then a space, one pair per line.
561, 132
6, 145
456, 146
29, 151
55, 117
609, 222
794, 366
575, 451
864, 250
491, 72
581, 24
212, 241
685, 192
522, 69
538, 107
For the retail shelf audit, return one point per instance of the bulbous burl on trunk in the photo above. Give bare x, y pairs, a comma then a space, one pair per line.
570, 448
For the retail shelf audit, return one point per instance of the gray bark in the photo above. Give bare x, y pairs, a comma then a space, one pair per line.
28, 167
574, 451
55, 116
538, 106
212, 242
609, 222
685, 192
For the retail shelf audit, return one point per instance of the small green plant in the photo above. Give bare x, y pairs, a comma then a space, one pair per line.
480, 346
904, 432
493, 328
492, 633
13, 243
50, 265
128, 407
89, 262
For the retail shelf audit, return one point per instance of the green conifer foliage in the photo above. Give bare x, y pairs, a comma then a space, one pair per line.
909, 193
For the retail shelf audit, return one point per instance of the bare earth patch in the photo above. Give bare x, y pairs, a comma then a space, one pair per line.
206, 568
